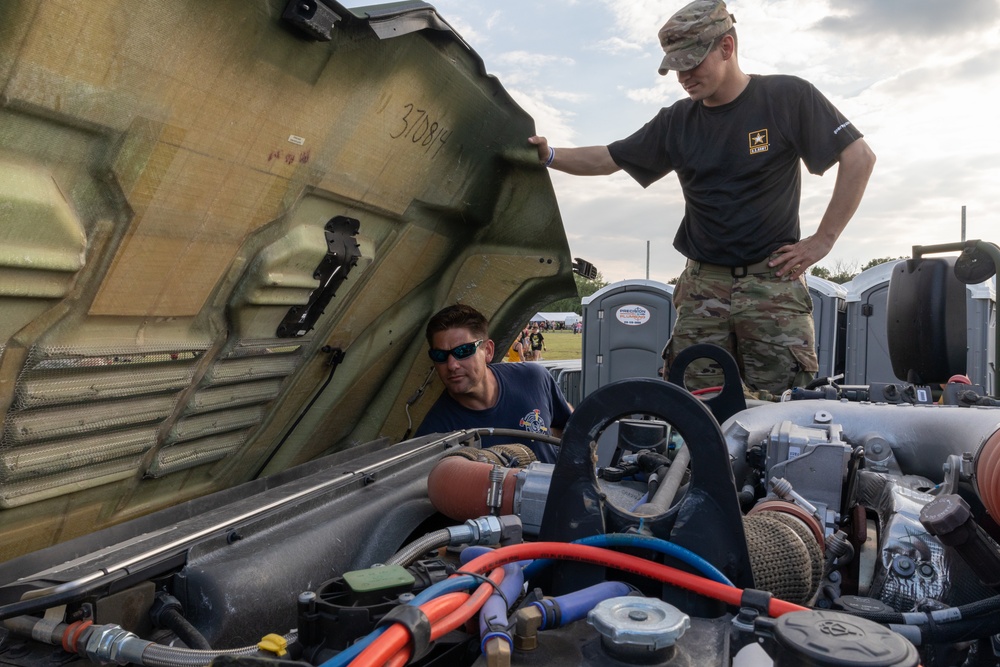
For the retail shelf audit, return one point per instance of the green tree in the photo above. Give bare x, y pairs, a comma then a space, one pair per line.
880, 260
584, 287
841, 272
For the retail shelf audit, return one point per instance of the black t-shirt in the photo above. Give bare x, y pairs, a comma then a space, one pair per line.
738, 164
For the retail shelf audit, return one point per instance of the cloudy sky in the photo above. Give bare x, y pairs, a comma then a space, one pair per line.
918, 77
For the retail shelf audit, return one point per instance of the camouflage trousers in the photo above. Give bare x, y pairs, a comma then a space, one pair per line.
764, 321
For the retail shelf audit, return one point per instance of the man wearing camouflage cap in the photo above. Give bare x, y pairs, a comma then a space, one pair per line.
735, 145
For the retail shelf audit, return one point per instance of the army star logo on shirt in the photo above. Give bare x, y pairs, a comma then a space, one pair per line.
758, 141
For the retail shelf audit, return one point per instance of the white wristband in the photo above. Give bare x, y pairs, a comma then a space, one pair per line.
552, 156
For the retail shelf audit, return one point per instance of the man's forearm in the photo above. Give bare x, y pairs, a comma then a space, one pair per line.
853, 171
855, 167
584, 161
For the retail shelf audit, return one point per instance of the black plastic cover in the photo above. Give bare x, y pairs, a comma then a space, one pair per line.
926, 321
835, 639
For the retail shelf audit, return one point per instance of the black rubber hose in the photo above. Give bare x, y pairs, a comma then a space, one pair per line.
654, 482
515, 433
173, 620
968, 612
966, 629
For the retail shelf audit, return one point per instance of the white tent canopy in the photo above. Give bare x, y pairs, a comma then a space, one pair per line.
567, 318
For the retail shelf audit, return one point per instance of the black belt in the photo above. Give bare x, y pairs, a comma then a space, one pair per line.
734, 271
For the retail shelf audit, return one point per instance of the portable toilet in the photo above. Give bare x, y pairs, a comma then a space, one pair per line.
830, 317
866, 357
982, 323
625, 327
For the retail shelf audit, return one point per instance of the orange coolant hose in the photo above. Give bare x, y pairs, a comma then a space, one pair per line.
445, 614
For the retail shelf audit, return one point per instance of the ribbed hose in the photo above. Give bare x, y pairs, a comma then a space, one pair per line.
152, 655
417, 548
157, 655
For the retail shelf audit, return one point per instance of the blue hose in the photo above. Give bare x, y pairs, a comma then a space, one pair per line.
686, 556
565, 609
493, 619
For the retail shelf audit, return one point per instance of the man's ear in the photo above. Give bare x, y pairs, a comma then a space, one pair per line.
488, 350
728, 47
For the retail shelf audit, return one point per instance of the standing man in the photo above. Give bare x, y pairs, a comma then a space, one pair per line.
537, 343
480, 395
735, 144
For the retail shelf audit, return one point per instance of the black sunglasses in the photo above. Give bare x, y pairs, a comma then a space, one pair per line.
463, 351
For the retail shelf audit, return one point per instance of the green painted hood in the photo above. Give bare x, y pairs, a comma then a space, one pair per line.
221, 236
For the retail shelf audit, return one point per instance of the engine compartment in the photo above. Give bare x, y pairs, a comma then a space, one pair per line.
791, 517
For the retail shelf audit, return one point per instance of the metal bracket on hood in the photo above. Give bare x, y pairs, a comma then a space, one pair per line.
341, 256
313, 18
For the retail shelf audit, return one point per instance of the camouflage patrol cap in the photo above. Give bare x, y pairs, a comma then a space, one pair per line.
687, 36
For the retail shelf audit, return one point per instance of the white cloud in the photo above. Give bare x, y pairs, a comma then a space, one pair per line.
529, 60
555, 123
617, 45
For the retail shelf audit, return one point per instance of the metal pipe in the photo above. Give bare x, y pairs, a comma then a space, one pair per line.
665, 494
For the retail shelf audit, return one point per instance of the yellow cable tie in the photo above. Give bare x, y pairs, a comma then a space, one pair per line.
275, 644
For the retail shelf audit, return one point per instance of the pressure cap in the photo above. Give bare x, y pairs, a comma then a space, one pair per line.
638, 623
945, 514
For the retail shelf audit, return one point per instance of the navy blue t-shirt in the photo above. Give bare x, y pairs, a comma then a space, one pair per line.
738, 164
528, 400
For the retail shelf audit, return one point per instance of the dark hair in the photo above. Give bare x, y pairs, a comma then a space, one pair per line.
459, 316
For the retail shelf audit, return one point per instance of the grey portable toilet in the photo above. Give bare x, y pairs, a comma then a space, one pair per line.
866, 357
982, 325
830, 317
625, 326
867, 354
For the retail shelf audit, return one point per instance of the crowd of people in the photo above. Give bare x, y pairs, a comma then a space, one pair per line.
528, 346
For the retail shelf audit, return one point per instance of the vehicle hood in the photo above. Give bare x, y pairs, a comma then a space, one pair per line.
223, 230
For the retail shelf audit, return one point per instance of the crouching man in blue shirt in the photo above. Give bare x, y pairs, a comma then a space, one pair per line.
480, 395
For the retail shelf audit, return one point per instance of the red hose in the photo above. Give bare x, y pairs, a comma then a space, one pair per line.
377, 654
398, 660
706, 390
624, 562
444, 617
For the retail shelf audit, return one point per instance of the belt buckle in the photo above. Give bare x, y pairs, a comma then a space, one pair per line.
743, 268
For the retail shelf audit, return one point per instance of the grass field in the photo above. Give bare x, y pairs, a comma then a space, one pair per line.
562, 345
